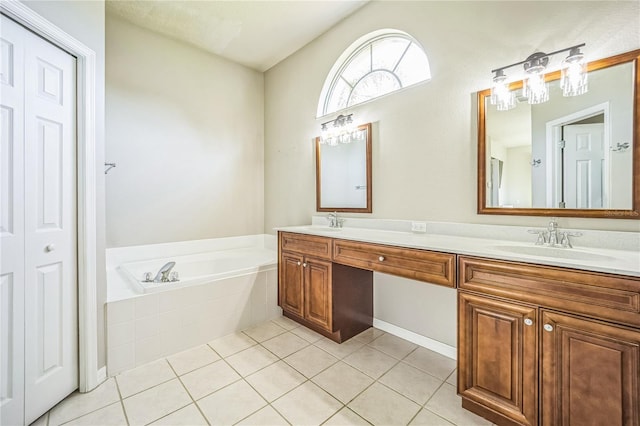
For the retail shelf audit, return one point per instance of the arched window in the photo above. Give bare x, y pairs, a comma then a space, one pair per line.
378, 63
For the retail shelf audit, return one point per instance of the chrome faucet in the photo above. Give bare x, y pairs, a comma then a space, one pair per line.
163, 274
552, 237
334, 221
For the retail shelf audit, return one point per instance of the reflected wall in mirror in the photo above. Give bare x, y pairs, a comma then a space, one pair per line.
570, 156
343, 174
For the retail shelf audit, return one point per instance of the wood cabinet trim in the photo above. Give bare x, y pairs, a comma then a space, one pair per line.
422, 265
610, 297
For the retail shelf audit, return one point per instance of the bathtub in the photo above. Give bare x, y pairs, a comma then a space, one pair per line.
226, 285
198, 268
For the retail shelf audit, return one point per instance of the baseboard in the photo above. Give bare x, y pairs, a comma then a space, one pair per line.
434, 345
101, 376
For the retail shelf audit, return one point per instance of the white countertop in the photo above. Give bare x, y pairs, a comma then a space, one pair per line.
615, 261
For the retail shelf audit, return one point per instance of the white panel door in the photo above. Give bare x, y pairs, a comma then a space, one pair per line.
11, 224
584, 166
48, 222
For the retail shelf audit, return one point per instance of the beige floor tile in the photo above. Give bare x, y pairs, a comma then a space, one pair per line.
231, 344
285, 344
251, 360
393, 345
267, 416
370, 361
427, 418
156, 402
264, 331
453, 378
111, 415
208, 379
346, 417
307, 405
275, 380
43, 420
447, 404
286, 323
382, 406
339, 350
192, 359
187, 416
369, 335
343, 381
411, 382
431, 362
144, 377
310, 360
78, 404
231, 404
307, 334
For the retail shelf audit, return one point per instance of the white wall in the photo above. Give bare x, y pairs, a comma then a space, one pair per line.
424, 149
84, 20
185, 128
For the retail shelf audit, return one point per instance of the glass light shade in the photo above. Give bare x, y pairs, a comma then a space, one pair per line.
573, 77
503, 98
535, 88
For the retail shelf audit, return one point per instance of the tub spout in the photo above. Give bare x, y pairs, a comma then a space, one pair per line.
163, 274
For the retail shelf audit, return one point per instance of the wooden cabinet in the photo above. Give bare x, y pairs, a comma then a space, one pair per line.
590, 372
422, 265
549, 346
331, 299
497, 360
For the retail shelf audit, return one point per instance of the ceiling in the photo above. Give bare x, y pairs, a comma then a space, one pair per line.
257, 34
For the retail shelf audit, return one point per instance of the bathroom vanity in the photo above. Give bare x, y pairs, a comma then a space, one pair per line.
539, 341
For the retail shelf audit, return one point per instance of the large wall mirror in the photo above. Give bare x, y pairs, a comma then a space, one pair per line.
570, 156
343, 174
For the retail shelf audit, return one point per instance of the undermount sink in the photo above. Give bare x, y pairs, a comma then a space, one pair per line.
318, 228
563, 253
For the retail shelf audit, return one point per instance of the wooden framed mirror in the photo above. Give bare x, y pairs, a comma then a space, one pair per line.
343, 175
570, 156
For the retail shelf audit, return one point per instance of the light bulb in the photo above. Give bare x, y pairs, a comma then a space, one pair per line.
535, 88
573, 77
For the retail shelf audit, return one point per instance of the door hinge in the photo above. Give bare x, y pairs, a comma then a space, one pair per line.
561, 144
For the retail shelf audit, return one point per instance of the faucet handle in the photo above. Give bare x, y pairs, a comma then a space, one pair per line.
542, 236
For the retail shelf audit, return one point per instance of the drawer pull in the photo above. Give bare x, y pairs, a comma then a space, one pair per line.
528, 321
299, 263
548, 327
381, 258
304, 265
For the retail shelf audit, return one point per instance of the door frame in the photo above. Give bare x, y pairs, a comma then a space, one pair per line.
86, 183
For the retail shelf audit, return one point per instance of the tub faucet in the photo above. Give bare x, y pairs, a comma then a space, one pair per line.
163, 274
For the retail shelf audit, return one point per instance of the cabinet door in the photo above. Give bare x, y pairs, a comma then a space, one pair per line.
290, 286
590, 372
318, 293
497, 344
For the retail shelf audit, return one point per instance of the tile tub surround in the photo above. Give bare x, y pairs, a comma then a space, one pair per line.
145, 327
202, 385
620, 250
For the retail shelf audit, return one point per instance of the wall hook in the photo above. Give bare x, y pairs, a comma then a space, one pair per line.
108, 166
536, 162
620, 147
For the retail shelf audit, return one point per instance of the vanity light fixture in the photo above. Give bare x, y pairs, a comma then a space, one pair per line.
573, 78
340, 130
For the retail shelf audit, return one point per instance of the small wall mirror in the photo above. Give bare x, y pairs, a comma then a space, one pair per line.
343, 174
570, 156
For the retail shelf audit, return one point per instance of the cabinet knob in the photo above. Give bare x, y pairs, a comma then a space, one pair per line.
50, 247
528, 321
548, 327
381, 258
299, 263
304, 265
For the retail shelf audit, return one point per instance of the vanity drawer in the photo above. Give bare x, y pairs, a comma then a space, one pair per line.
422, 265
605, 296
308, 245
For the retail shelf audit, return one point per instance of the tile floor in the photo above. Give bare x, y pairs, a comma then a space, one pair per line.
279, 373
